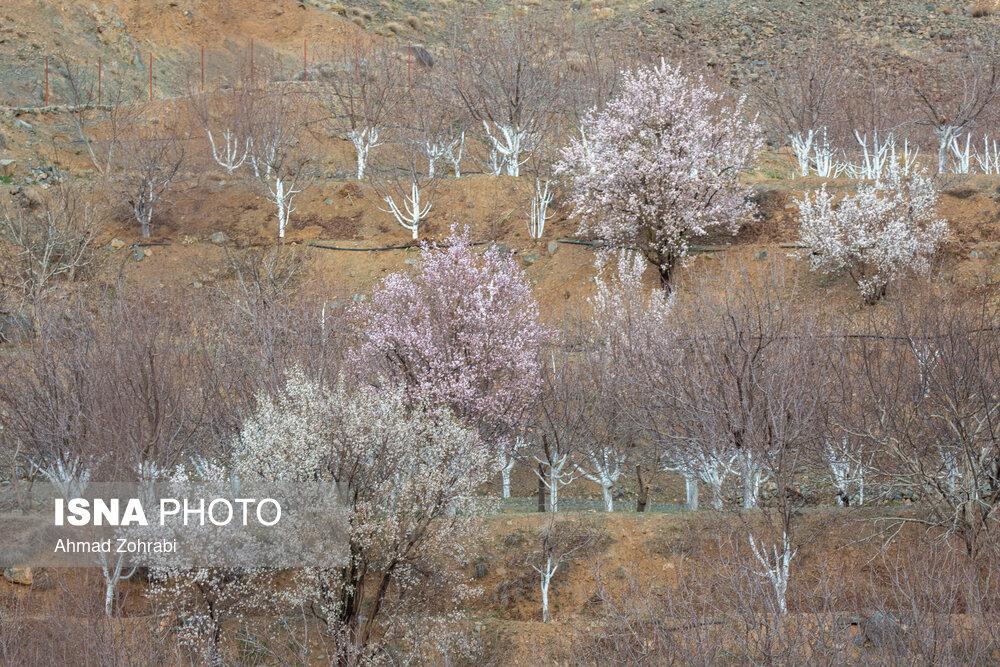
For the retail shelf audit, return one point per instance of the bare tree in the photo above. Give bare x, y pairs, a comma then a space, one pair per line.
506, 74
361, 97
147, 162
954, 96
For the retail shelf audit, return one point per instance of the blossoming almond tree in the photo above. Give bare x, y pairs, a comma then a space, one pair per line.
462, 330
403, 469
877, 235
661, 164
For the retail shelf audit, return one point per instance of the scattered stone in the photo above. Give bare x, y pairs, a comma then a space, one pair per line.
117, 244
139, 254
977, 254
530, 258
498, 248
411, 260
219, 238
7, 167
359, 298
329, 202
23, 125
470, 204
148, 252
553, 247
196, 284
760, 255
883, 630
18, 575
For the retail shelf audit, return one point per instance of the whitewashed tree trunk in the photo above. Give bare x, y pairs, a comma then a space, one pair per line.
546, 572
775, 567
554, 475
963, 156
606, 470
69, 476
946, 134
540, 201
989, 159
229, 157
802, 146
691, 489
364, 141
752, 474
282, 194
412, 212
111, 567
454, 154
509, 143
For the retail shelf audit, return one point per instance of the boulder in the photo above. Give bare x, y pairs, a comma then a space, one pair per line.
530, 258
7, 167
18, 575
219, 238
553, 247
117, 244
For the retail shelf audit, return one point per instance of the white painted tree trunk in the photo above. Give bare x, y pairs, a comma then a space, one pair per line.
412, 212
510, 143
606, 470
802, 146
540, 201
691, 488
505, 471
229, 157
946, 134
775, 568
282, 194
549, 571
962, 156
454, 154
364, 141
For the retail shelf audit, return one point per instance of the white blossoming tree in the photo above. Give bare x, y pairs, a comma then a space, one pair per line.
887, 229
661, 164
406, 475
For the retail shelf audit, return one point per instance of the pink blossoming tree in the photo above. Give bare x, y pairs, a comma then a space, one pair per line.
660, 164
463, 331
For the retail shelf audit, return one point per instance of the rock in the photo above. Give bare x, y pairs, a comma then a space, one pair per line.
470, 204
18, 575
7, 167
23, 125
359, 298
14, 326
480, 569
147, 252
978, 254
760, 255
219, 238
117, 244
883, 631
411, 260
498, 248
328, 202
553, 247
139, 254
530, 258
196, 284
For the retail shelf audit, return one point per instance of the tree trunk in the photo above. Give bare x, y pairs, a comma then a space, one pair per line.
691, 487
541, 488
505, 481
609, 500
640, 503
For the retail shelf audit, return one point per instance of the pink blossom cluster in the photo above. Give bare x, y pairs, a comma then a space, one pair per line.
462, 330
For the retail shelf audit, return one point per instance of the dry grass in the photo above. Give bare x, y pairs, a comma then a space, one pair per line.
413, 22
